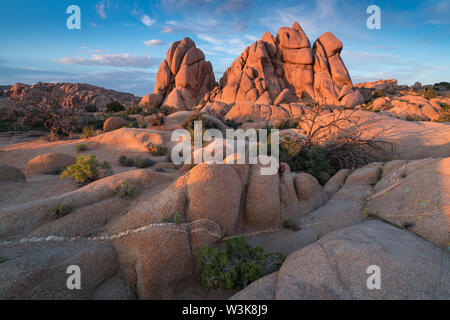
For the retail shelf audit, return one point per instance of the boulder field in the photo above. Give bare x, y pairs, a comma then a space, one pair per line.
131, 248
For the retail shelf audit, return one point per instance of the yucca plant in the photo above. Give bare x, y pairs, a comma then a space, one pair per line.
89, 131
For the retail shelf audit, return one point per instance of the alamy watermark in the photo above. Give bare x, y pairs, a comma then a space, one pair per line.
374, 281
238, 146
374, 20
74, 280
74, 20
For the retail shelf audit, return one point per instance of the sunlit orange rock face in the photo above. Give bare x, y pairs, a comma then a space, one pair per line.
183, 78
285, 68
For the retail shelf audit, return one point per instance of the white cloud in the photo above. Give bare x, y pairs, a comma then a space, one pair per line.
209, 39
100, 8
167, 29
113, 60
251, 37
147, 20
154, 42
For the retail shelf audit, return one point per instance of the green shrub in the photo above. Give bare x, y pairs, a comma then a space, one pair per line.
3, 259
114, 106
90, 108
90, 120
235, 267
88, 131
137, 162
126, 162
291, 224
135, 109
3, 127
143, 163
125, 189
60, 210
86, 169
166, 110
310, 158
232, 123
82, 147
176, 218
156, 150
286, 124
429, 93
188, 123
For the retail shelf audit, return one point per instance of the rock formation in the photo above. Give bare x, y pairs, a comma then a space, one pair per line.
183, 78
69, 95
285, 68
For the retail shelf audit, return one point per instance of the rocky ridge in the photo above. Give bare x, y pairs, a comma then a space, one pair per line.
70, 95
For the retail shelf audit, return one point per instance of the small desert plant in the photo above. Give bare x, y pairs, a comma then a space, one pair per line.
88, 131
312, 159
3, 127
176, 218
125, 189
235, 267
429, 93
367, 213
135, 109
188, 123
291, 224
137, 162
156, 150
444, 113
232, 123
90, 108
143, 162
92, 121
166, 110
114, 106
82, 147
126, 162
60, 210
86, 169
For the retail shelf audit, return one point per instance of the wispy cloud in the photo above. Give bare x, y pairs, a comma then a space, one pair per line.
154, 42
209, 39
100, 8
114, 60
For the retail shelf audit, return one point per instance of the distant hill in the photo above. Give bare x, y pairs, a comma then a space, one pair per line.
70, 95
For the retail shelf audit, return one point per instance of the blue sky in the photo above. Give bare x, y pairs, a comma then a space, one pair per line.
121, 43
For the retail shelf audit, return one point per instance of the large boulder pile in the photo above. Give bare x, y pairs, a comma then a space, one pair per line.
285, 68
69, 95
183, 78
